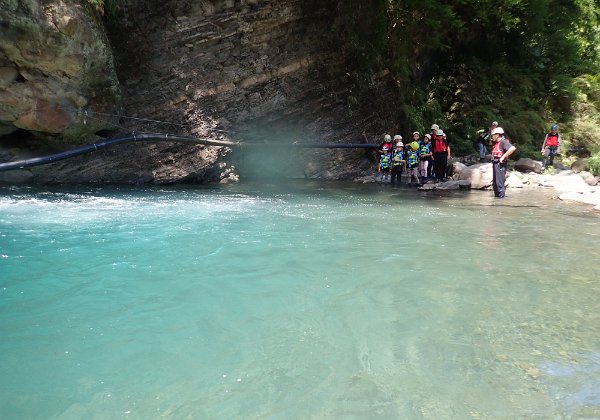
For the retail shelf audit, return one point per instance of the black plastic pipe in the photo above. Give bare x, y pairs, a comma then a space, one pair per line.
157, 137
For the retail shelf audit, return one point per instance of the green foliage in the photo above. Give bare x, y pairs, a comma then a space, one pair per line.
594, 163
585, 124
464, 64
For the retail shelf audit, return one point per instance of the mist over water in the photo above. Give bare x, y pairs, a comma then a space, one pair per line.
297, 300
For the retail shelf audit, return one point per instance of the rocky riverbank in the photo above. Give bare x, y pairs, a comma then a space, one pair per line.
568, 183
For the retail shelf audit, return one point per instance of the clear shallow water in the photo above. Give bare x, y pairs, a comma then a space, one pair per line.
297, 301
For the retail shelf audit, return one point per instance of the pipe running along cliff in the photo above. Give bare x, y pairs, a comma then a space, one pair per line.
158, 137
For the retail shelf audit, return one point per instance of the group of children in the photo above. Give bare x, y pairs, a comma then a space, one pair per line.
414, 158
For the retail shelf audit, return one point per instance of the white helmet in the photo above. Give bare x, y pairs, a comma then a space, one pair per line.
397, 137
497, 130
435, 127
387, 137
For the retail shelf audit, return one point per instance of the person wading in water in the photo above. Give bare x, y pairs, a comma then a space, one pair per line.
501, 150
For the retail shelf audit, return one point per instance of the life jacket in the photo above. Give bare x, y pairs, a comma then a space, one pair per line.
397, 157
439, 144
384, 161
552, 140
424, 149
413, 158
497, 150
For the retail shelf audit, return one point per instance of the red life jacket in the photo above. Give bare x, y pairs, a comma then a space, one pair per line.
497, 150
439, 145
552, 140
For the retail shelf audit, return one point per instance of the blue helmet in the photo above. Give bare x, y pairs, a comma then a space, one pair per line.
554, 127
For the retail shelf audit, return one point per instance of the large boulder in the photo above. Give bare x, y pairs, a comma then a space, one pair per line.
514, 181
55, 59
479, 175
457, 167
580, 165
528, 165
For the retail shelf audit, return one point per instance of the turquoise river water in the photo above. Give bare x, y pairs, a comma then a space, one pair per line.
297, 301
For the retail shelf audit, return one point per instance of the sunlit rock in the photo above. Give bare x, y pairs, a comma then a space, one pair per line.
479, 175
55, 59
580, 165
590, 197
514, 181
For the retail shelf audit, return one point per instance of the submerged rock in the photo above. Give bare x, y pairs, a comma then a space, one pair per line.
590, 197
448, 185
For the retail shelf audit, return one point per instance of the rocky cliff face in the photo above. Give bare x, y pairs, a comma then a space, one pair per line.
257, 70
244, 70
54, 60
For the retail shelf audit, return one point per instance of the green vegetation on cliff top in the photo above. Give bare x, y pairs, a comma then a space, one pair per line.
466, 63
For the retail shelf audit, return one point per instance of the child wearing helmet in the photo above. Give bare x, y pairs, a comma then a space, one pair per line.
387, 142
398, 163
550, 146
425, 154
412, 162
384, 166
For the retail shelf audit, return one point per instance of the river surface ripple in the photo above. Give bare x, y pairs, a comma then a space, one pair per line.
302, 300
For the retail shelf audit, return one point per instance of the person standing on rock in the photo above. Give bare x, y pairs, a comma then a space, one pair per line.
430, 171
484, 139
489, 131
384, 166
550, 146
387, 143
398, 163
425, 154
412, 162
501, 150
441, 155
